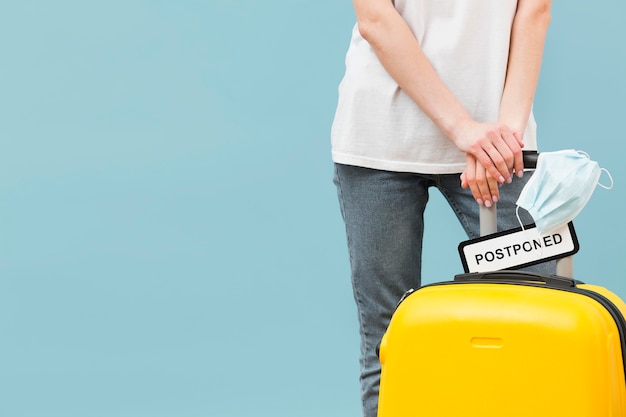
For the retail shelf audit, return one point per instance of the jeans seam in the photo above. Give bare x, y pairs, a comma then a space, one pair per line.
357, 295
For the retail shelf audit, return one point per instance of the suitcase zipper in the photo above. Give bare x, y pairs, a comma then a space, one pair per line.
615, 312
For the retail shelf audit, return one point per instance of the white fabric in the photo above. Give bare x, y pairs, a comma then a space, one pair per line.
378, 126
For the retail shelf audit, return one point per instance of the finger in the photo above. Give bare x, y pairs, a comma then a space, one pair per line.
518, 137
514, 150
463, 178
467, 177
482, 185
490, 157
501, 153
494, 190
509, 158
493, 162
519, 165
470, 177
490, 193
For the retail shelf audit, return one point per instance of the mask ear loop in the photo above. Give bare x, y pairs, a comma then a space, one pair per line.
606, 187
518, 218
524, 229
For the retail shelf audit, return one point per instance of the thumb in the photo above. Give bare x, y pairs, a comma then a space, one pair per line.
463, 179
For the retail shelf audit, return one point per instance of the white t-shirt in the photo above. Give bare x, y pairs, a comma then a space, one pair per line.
378, 126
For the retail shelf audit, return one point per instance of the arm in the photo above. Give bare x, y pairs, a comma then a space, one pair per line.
493, 144
528, 34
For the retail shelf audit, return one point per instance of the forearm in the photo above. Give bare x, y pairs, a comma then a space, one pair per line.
402, 57
528, 36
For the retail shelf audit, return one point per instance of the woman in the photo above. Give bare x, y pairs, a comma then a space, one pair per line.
436, 93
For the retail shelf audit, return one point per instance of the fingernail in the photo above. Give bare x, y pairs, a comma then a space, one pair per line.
495, 199
509, 180
501, 179
520, 173
480, 202
488, 203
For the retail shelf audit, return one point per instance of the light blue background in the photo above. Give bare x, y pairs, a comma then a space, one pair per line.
170, 240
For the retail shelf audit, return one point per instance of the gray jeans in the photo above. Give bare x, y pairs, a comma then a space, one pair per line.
384, 216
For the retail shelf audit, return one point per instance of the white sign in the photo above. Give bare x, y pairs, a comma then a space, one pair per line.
517, 248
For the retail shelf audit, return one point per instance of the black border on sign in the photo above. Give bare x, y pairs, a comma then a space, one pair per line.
465, 243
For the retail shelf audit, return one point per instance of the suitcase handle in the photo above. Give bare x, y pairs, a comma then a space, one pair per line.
530, 159
551, 280
488, 216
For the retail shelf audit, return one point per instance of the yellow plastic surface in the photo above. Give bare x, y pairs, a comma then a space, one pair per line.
500, 350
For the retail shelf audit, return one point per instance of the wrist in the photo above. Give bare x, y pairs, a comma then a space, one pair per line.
518, 127
457, 130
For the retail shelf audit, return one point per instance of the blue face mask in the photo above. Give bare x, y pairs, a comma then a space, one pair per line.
560, 187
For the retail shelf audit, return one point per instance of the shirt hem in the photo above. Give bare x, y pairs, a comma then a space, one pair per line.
397, 166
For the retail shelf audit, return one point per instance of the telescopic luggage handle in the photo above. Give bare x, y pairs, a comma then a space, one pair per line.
488, 217
530, 159
488, 220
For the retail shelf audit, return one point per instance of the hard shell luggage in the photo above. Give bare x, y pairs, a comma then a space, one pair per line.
505, 344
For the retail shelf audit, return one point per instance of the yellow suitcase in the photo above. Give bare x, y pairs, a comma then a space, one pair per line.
505, 344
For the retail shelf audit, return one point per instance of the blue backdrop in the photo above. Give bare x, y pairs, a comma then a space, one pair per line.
170, 239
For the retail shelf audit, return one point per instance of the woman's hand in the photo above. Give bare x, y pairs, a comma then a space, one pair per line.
482, 184
496, 147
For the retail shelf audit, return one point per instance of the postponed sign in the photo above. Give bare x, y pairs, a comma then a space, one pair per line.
517, 248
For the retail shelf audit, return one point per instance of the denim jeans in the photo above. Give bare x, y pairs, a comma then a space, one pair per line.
384, 216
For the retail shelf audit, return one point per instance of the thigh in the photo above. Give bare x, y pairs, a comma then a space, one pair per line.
383, 214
